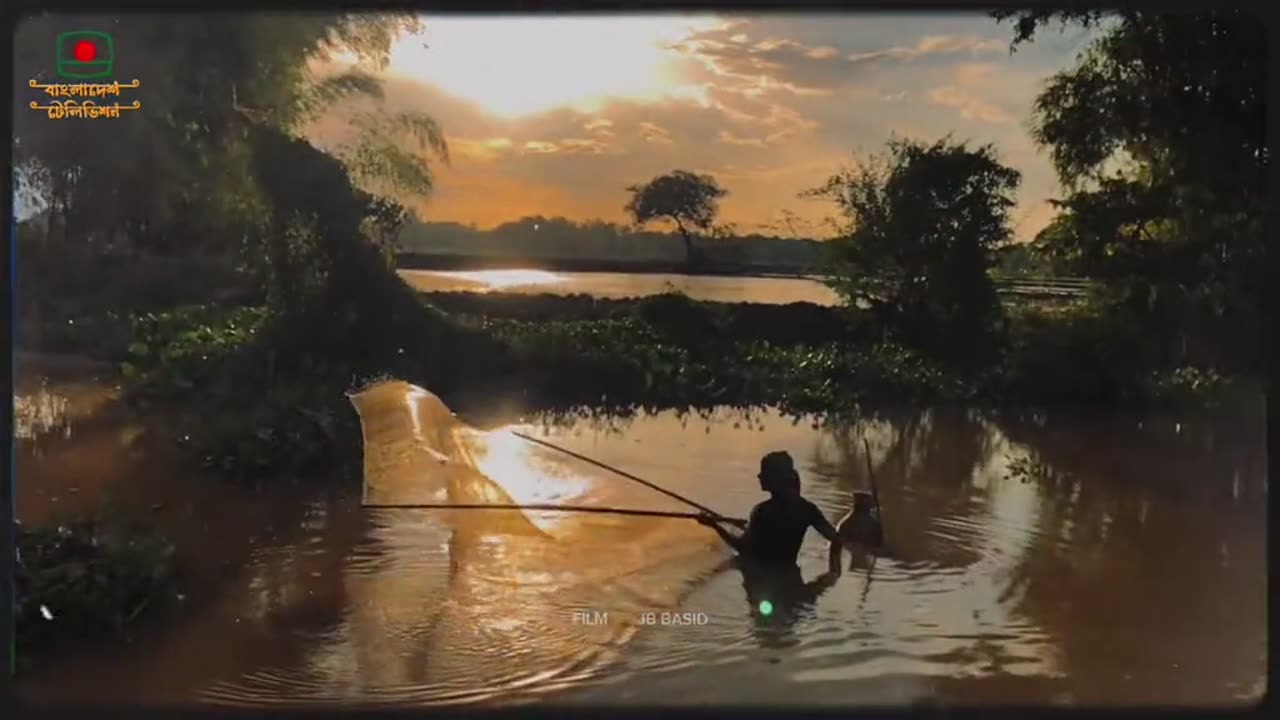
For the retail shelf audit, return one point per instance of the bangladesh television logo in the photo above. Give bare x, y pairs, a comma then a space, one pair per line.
85, 54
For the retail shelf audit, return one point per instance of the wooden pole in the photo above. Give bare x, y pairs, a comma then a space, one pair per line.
871, 474
551, 508
622, 473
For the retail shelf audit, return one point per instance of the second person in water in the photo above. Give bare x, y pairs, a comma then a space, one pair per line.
776, 527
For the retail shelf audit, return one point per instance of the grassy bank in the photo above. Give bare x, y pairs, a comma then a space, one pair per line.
242, 411
668, 350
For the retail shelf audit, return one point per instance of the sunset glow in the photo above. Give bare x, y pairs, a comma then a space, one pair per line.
525, 65
556, 116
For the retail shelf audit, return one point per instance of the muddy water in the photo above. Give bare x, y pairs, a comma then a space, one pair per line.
1104, 559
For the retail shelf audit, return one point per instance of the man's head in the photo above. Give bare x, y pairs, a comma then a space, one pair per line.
778, 473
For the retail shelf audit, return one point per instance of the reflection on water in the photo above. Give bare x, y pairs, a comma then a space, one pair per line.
1129, 570
40, 409
39, 413
773, 290
486, 280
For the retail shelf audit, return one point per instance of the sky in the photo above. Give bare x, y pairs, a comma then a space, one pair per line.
556, 116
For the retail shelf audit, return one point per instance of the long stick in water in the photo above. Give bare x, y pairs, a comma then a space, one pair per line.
875, 492
549, 507
875, 498
623, 473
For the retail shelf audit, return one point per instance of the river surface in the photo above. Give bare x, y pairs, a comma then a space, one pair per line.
1107, 559
713, 288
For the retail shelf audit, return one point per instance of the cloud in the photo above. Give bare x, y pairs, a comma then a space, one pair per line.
772, 64
540, 146
599, 126
486, 149
723, 61
769, 105
587, 146
932, 45
728, 137
970, 107
654, 133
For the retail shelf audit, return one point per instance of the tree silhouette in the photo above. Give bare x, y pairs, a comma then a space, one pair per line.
685, 198
1158, 134
922, 223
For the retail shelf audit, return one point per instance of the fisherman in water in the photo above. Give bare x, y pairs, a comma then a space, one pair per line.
767, 550
777, 526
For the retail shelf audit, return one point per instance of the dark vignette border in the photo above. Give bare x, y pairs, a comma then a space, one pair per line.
14, 10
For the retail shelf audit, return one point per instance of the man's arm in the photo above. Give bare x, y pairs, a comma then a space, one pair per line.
737, 542
836, 548
822, 583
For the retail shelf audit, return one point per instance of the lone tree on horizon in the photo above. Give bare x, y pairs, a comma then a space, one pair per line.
685, 198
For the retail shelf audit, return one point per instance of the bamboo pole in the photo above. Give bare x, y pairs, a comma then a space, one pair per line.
622, 473
551, 508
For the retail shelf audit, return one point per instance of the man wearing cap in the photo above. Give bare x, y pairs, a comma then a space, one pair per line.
777, 526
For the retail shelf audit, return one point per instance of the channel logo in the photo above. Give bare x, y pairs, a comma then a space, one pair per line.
85, 54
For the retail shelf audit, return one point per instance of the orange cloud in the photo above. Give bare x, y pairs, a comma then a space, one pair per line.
540, 146
588, 146
599, 126
479, 149
655, 133
971, 108
726, 136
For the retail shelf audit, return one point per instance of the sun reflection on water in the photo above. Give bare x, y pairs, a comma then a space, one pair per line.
503, 279
522, 471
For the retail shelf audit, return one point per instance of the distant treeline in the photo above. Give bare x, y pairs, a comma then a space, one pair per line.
555, 238
541, 238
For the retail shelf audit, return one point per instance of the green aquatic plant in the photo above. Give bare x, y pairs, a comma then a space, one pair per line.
255, 399
85, 580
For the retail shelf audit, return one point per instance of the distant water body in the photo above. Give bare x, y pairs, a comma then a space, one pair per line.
714, 288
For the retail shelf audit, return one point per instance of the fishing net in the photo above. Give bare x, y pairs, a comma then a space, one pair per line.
446, 604
417, 452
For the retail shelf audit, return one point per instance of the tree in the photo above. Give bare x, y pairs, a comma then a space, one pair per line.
1158, 134
215, 161
921, 223
687, 199
179, 176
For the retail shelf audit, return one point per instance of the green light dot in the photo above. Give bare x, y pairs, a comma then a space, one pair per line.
766, 608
